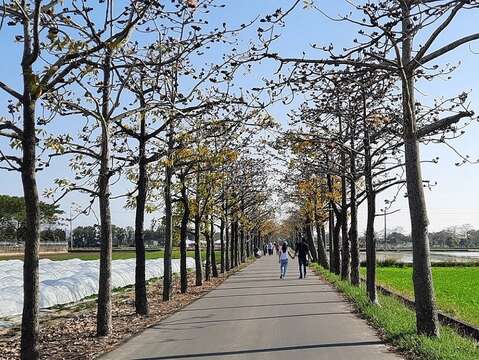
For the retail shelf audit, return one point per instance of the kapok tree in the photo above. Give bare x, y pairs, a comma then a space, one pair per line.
55, 41
388, 31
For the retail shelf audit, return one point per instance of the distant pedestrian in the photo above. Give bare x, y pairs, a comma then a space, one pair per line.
270, 248
277, 247
302, 251
265, 249
257, 252
283, 259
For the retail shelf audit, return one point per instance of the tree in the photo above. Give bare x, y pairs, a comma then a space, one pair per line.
85, 236
389, 30
12, 211
93, 150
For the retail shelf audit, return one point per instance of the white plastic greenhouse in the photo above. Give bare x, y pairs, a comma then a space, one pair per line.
63, 282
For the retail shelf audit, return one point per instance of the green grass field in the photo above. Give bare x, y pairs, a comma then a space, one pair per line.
397, 323
457, 288
117, 255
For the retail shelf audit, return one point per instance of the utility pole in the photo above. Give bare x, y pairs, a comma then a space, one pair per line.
385, 232
71, 230
385, 213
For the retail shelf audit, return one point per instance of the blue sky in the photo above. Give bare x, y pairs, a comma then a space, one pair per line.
453, 201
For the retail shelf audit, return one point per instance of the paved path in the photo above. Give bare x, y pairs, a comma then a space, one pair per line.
255, 315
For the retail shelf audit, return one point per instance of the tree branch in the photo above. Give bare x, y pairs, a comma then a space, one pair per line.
445, 49
9, 90
442, 124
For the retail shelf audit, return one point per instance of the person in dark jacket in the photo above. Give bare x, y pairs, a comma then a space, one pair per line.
302, 251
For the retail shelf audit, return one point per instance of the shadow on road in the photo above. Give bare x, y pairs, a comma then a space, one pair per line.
275, 294
274, 286
181, 322
265, 305
255, 351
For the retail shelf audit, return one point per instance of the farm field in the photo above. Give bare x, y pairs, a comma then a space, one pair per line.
117, 255
456, 288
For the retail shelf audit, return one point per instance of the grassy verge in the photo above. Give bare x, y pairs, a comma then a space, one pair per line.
397, 324
456, 288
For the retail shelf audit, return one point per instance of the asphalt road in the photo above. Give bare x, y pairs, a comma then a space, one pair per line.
255, 315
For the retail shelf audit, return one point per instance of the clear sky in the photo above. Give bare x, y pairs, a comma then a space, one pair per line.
453, 201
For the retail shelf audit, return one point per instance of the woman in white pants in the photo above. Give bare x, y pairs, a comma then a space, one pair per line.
283, 259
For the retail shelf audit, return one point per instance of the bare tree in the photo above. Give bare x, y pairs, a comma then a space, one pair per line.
389, 30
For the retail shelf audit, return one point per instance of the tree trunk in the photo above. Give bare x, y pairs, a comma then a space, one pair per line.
322, 257
199, 271
332, 266
167, 271
426, 312
353, 231
197, 222
242, 245
214, 267
371, 199
30, 326
141, 301
323, 235
222, 250
371, 250
183, 236
337, 244
208, 254
232, 255
333, 241
104, 325
353, 236
237, 244
227, 239
346, 252
309, 238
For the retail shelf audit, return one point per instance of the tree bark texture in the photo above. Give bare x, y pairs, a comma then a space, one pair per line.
222, 244
167, 274
232, 255
353, 230
30, 325
183, 236
199, 270
322, 257
208, 255
345, 250
214, 267
141, 301
242, 245
227, 238
426, 312
337, 244
309, 238
331, 239
104, 323
371, 200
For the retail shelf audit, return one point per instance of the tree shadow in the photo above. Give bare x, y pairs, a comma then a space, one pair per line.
265, 305
272, 293
273, 286
266, 350
257, 318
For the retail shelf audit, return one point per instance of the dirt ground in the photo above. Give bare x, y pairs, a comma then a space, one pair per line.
70, 333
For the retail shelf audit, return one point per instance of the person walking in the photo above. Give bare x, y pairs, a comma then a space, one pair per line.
270, 248
283, 259
302, 251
